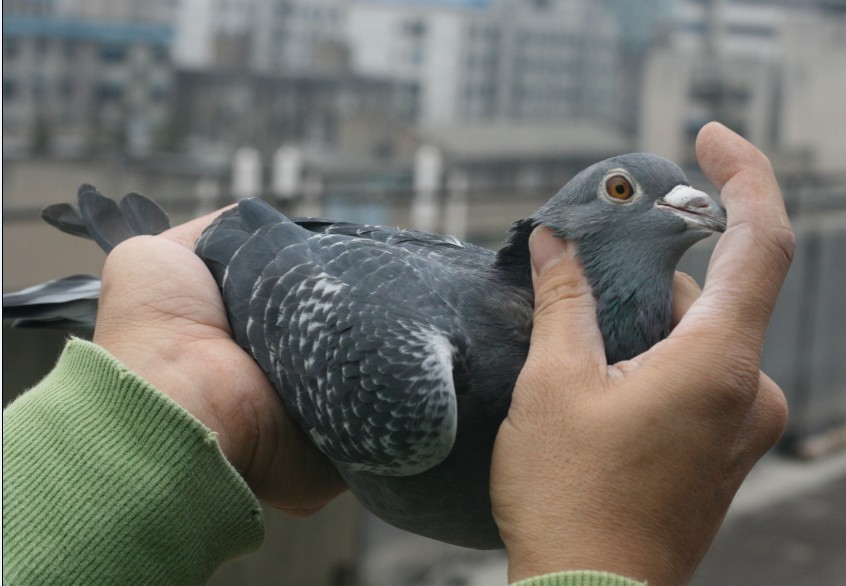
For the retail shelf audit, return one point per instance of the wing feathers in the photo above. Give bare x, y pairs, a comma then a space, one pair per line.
350, 331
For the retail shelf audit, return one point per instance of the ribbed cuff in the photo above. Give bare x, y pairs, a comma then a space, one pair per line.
579, 578
106, 480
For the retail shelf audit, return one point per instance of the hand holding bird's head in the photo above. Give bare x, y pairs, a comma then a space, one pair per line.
632, 217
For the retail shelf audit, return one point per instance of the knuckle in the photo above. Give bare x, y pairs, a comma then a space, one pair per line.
686, 280
778, 410
684, 283
775, 402
784, 242
737, 380
562, 289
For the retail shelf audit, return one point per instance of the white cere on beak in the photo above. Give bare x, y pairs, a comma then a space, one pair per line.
687, 198
695, 207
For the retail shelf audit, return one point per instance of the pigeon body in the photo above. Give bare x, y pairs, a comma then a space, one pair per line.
397, 351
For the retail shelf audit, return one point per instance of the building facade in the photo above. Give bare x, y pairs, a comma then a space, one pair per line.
73, 86
773, 73
493, 60
299, 36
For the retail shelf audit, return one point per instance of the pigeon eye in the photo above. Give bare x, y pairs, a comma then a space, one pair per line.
619, 188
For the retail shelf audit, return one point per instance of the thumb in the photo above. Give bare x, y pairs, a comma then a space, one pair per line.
564, 325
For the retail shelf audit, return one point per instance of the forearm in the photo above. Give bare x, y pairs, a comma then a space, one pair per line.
108, 480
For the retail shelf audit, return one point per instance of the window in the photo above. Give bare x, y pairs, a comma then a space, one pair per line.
66, 88
107, 91
10, 89
284, 9
414, 28
113, 53
39, 87
41, 47
10, 47
158, 93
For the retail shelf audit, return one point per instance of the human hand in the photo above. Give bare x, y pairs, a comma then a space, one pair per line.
162, 316
630, 468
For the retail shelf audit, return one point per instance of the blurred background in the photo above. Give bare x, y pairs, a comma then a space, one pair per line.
457, 116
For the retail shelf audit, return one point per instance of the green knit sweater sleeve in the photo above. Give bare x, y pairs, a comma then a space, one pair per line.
107, 481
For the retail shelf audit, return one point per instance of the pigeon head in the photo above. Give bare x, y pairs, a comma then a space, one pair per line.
632, 217
640, 201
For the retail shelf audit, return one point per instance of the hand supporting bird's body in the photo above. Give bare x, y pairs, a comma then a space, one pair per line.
397, 351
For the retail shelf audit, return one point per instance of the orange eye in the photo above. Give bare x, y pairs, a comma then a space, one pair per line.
619, 188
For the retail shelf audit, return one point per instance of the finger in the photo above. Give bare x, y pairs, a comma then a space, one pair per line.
564, 330
187, 234
751, 260
685, 291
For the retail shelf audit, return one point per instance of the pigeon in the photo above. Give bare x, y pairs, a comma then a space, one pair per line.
397, 351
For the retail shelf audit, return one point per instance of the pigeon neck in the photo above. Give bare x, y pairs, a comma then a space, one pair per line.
633, 291
633, 295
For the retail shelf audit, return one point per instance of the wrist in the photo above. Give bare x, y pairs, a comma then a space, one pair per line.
162, 365
597, 548
531, 563
579, 578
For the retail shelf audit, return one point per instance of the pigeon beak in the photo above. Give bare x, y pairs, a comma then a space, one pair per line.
694, 207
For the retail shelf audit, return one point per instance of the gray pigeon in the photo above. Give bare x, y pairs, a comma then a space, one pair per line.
397, 351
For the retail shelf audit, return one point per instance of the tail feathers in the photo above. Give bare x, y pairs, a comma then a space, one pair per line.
71, 302
66, 218
67, 303
106, 221
143, 215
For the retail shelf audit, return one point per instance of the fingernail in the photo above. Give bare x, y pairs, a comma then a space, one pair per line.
547, 249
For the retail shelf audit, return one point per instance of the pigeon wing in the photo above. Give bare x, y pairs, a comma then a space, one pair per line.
362, 339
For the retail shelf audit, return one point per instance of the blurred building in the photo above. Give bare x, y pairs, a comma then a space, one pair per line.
339, 117
772, 73
472, 60
115, 91
265, 36
513, 159
74, 86
149, 11
812, 115
477, 60
300, 36
211, 33
641, 25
